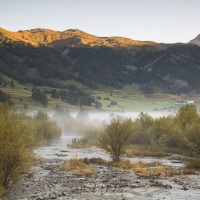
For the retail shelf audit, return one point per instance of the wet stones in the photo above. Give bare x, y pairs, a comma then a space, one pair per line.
49, 182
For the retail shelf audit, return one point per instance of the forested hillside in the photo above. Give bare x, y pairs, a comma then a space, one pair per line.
155, 67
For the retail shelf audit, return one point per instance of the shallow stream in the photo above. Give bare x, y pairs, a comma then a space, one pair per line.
58, 148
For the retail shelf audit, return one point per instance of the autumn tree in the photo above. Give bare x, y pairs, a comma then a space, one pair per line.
116, 136
16, 144
187, 115
19, 135
188, 121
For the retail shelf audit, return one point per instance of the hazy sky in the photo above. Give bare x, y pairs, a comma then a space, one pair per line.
166, 21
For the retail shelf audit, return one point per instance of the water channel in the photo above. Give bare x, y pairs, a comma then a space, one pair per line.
58, 147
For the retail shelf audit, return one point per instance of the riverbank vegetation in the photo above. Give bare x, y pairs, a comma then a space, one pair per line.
19, 135
148, 136
88, 167
78, 167
116, 136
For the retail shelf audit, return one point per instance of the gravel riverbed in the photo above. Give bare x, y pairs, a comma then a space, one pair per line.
46, 181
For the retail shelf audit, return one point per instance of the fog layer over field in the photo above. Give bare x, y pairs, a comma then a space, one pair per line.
77, 121
104, 116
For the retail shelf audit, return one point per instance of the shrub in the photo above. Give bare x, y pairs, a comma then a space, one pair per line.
116, 136
17, 140
45, 128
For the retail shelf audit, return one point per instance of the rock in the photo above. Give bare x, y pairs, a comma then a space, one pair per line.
64, 193
184, 188
40, 198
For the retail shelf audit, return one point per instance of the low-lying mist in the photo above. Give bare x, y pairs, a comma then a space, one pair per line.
81, 121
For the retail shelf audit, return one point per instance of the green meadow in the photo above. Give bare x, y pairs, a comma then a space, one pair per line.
130, 98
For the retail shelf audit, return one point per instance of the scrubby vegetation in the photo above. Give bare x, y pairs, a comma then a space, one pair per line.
78, 167
178, 133
45, 128
19, 135
116, 136
143, 169
5, 98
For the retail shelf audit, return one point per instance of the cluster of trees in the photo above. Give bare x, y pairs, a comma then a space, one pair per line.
56, 93
77, 98
74, 97
12, 83
177, 61
1, 81
19, 135
39, 96
102, 65
181, 131
5, 98
20, 58
98, 105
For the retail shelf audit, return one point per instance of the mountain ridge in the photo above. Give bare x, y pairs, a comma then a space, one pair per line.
196, 40
70, 37
47, 57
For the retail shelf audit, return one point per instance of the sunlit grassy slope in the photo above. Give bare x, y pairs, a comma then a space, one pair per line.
72, 37
132, 99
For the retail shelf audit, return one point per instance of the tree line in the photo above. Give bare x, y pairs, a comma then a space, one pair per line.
5, 98
181, 131
74, 97
113, 67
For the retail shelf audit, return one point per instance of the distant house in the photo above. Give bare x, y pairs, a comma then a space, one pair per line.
188, 101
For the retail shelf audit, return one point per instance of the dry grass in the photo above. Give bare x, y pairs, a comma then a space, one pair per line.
78, 167
98, 161
163, 171
71, 37
150, 151
144, 153
2, 190
158, 169
144, 169
170, 171
147, 172
194, 165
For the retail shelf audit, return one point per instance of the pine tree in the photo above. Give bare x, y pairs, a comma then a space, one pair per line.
12, 84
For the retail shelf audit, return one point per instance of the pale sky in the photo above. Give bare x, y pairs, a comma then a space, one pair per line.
167, 21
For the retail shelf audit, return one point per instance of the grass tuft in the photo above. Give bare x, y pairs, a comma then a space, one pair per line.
143, 169
78, 167
2, 190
